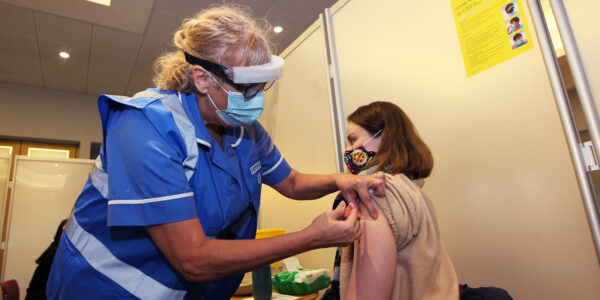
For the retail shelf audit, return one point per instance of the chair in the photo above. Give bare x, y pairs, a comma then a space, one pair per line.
10, 289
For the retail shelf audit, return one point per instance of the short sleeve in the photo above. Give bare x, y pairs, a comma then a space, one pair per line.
147, 184
274, 167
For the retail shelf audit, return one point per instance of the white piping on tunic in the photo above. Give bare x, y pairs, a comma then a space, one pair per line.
274, 167
150, 200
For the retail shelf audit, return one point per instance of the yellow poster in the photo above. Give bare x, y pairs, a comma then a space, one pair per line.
490, 32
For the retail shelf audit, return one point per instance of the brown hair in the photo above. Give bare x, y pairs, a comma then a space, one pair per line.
402, 150
218, 34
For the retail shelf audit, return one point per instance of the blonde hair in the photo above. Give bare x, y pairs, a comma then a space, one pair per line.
219, 34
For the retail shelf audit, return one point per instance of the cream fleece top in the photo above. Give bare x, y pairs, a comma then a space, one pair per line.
423, 268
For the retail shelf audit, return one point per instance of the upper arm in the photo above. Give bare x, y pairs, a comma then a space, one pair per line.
286, 186
180, 242
373, 270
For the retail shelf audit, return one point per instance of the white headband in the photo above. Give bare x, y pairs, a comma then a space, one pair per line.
259, 73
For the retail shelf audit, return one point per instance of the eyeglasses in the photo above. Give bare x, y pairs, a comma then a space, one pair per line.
249, 90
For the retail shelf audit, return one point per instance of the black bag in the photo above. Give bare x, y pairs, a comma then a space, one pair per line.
484, 293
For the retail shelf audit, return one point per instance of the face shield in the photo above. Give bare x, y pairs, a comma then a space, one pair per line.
250, 81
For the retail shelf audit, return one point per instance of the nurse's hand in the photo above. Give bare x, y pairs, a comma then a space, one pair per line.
355, 187
327, 230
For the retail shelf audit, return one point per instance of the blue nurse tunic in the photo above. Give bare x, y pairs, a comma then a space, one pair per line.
158, 164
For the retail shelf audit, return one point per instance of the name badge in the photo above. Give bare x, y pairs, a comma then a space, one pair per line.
255, 167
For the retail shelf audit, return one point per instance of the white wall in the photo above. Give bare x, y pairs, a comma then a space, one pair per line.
506, 196
40, 113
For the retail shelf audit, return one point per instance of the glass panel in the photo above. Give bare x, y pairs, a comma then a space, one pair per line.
49, 153
6, 150
44, 193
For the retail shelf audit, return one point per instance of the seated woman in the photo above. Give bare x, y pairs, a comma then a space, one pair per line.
399, 255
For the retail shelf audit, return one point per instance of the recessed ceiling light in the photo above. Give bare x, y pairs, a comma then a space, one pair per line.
278, 29
102, 2
64, 54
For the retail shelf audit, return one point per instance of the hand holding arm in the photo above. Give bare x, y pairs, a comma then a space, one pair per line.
310, 186
355, 187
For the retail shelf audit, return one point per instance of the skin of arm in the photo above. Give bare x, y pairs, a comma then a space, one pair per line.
373, 270
199, 259
310, 186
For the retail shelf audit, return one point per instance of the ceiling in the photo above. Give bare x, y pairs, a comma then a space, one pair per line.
112, 48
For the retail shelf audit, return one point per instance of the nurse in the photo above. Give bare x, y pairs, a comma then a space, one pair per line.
170, 210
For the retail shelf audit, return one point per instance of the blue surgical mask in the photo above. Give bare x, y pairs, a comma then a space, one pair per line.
519, 43
513, 26
240, 111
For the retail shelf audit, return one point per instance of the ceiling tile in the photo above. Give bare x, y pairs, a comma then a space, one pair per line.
68, 75
126, 15
63, 77
306, 11
107, 82
111, 62
188, 8
162, 25
109, 40
16, 20
181, 8
20, 69
18, 45
153, 48
62, 30
258, 8
49, 53
141, 78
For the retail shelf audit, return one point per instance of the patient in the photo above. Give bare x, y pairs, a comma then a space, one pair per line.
399, 256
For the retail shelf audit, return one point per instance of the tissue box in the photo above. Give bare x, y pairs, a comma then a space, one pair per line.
301, 281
